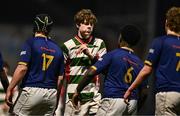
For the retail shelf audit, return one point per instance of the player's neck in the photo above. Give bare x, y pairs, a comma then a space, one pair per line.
87, 40
83, 37
127, 48
169, 32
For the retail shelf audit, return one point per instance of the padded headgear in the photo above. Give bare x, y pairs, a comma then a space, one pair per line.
42, 23
131, 34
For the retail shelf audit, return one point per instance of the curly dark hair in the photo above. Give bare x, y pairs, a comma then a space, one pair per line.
173, 19
85, 16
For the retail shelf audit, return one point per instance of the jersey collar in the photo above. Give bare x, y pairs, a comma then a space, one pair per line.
88, 40
40, 35
129, 49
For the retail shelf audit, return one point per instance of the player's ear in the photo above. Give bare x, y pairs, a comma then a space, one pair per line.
166, 26
119, 38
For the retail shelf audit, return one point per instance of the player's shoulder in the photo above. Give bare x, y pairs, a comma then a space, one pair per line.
113, 52
29, 40
68, 41
98, 39
159, 38
53, 41
69, 44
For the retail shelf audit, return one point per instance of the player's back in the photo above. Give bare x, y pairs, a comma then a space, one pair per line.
123, 69
167, 63
44, 64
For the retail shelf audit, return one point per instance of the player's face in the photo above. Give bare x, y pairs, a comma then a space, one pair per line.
85, 30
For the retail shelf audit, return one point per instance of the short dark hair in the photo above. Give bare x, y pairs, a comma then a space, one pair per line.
130, 34
42, 23
85, 15
173, 19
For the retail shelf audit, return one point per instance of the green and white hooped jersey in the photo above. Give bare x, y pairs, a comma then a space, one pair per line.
77, 64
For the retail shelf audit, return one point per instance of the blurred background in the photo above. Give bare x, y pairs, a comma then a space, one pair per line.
17, 17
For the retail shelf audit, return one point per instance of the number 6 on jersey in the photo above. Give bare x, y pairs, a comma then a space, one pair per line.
128, 76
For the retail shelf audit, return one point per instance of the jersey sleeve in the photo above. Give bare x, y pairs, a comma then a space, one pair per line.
61, 71
65, 51
154, 52
102, 49
25, 54
1, 63
102, 63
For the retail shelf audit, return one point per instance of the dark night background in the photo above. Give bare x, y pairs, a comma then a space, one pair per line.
16, 18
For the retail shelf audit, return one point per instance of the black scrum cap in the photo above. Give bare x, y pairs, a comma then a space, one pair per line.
42, 23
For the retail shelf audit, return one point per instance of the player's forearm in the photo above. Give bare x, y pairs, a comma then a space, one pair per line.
18, 76
146, 70
86, 80
4, 80
93, 59
59, 83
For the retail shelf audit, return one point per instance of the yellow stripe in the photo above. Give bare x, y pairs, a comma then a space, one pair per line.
93, 67
178, 54
148, 62
22, 63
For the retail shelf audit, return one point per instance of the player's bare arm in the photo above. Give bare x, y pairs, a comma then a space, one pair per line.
86, 80
60, 78
17, 77
145, 71
59, 85
4, 80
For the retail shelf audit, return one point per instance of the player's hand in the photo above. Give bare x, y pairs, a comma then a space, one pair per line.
8, 97
126, 96
75, 100
83, 48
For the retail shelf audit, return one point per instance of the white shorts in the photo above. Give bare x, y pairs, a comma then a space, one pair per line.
88, 108
116, 107
168, 103
36, 101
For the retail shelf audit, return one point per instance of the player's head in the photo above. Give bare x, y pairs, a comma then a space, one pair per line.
42, 23
129, 35
85, 16
85, 21
173, 19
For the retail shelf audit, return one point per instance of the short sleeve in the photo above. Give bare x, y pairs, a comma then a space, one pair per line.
65, 51
154, 52
103, 62
102, 49
25, 54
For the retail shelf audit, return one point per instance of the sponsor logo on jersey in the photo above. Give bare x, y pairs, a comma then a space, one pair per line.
22, 53
47, 49
151, 50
